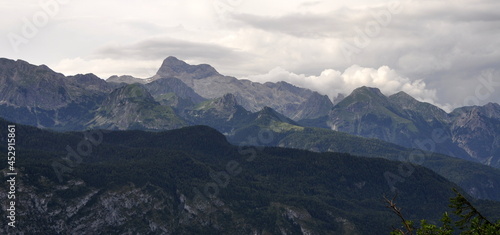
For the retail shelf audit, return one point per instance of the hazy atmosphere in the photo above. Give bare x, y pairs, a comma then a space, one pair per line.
443, 52
250, 117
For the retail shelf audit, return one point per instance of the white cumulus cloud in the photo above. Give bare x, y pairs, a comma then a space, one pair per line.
332, 82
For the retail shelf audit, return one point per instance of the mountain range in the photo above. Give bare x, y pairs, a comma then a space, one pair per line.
210, 84
181, 94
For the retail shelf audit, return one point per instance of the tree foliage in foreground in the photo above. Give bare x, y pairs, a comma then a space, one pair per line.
470, 222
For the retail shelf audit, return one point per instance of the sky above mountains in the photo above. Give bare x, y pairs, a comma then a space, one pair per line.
444, 52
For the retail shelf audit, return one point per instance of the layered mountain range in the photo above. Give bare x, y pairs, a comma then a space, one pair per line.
470, 133
294, 102
181, 95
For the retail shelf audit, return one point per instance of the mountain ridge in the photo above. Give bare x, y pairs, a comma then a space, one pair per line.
403, 120
253, 96
38, 96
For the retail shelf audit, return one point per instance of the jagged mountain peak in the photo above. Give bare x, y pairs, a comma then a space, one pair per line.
406, 101
365, 96
173, 67
427, 111
9, 62
24, 84
403, 95
491, 104
490, 110
19, 69
268, 113
371, 91
174, 62
21, 65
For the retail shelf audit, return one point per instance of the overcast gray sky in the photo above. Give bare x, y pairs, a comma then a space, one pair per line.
445, 52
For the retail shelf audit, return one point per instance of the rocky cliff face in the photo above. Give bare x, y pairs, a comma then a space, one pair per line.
314, 107
477, 131
77, 208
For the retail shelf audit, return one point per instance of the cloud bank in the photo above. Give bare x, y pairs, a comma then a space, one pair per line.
332, 83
